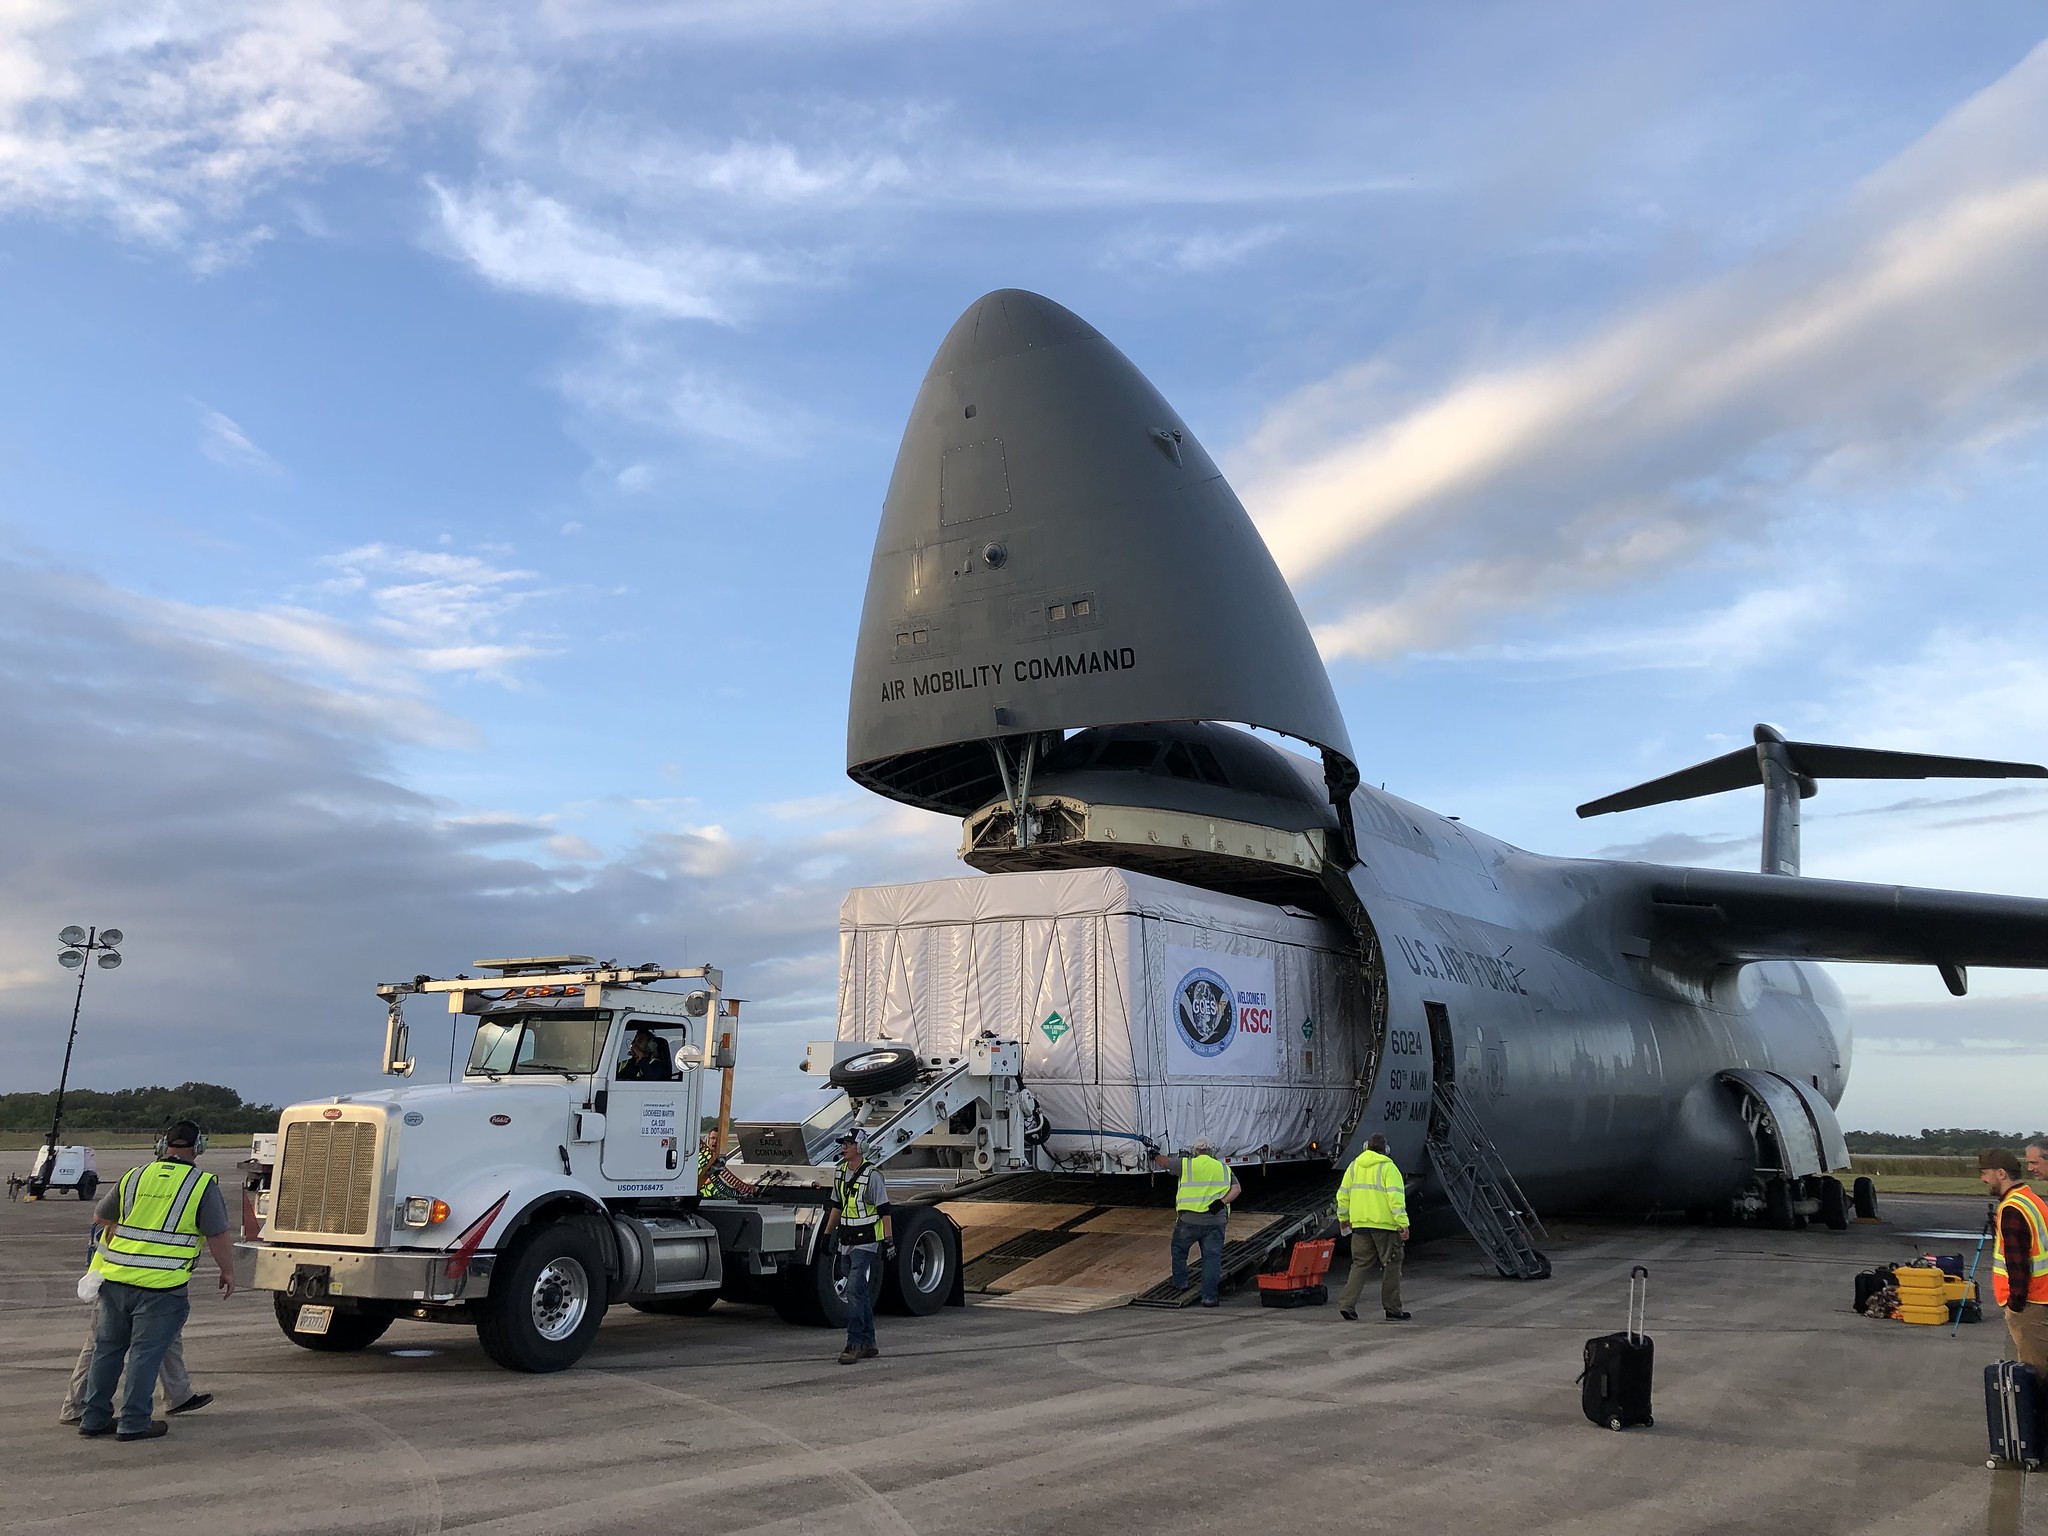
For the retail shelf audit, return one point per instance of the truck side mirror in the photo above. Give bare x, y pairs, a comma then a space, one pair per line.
397, 1035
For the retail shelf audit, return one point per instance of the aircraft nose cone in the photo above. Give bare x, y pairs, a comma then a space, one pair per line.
1004, 323
1058, 551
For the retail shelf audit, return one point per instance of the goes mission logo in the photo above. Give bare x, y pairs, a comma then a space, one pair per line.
1205, 1012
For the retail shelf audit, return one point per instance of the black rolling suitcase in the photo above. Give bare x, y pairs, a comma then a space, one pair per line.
2013, 1402
1614, 1388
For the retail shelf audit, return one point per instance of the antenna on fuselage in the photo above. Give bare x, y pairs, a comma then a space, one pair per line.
1789, 771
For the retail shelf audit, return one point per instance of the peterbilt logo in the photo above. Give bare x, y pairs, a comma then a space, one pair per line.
501, 1119
1205, 1011
330, 1114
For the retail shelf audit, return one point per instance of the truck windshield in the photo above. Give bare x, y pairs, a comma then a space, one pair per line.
560, 1041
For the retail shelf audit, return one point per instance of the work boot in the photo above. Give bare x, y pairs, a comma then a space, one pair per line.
848, 1355
1398, 1317
157, 1429
94, 1434
868, 1352
193, 1403
1347, 1314
1212, 1303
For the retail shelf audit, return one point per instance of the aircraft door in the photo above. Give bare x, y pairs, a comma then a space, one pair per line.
650, 1109
1443, 1060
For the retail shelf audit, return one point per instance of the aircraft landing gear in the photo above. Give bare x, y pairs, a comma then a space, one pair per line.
1778, 1213
1834, 1205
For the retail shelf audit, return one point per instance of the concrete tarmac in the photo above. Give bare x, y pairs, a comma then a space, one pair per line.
1777, 1407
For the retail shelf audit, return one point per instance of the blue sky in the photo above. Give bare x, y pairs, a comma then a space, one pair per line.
440, 447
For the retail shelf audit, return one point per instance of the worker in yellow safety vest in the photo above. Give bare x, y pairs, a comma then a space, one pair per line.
1201, 1207
1372, 1208
2019, 1260
152, 1225
857, 1224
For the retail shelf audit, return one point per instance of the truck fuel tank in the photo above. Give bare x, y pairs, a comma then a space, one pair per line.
666, 1255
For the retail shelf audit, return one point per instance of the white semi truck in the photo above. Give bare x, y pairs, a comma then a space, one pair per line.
558, 1173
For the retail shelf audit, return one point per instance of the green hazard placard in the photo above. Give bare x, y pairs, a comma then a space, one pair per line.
1308, 1029
1055, 1026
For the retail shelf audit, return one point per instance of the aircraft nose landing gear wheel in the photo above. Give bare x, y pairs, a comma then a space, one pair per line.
1865, 1194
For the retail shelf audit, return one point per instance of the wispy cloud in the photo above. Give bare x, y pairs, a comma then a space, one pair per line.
444, 612
645, 380
1754, 627
1209, 250
222, 439
1686, 848
1908, 322
148, 114
533, 243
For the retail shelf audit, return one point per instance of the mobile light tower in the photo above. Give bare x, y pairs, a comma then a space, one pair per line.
99, 945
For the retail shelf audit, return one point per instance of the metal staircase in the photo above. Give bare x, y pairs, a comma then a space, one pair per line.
1482, 1191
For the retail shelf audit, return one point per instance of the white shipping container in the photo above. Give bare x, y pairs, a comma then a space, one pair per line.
1146, 1008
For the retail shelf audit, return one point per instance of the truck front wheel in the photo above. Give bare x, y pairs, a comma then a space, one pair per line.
547, 1298
346, 1331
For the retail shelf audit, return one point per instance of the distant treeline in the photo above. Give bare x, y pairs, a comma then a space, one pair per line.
217, 1109
1953, 1141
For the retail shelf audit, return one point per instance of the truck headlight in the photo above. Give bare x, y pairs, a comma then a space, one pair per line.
425, 1211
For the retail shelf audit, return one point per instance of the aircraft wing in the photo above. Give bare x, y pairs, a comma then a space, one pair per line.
1732, 915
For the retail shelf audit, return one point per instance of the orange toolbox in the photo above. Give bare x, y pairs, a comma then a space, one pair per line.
1301, 1283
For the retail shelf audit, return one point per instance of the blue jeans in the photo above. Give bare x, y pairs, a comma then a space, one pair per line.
1207, 1231
863, 1273
136, 1325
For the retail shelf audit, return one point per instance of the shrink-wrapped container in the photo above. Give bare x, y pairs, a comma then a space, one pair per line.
1146, 1007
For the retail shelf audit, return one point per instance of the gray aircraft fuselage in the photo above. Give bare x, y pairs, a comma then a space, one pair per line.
1597, 1073
1067, 613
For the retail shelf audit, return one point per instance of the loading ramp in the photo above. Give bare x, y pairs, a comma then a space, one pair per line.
1061, 1240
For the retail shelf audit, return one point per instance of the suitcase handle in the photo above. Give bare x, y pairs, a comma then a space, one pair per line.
1638, 1300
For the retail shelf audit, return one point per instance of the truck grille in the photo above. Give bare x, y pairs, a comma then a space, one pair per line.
327, 1178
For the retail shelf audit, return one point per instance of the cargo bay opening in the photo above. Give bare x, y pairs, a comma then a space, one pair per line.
1173, 937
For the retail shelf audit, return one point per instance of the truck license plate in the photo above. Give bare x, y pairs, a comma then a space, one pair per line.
313, 1319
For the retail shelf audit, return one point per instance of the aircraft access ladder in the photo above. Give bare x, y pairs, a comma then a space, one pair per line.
1482, 1191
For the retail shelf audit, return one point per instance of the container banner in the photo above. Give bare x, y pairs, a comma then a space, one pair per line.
1220, 1014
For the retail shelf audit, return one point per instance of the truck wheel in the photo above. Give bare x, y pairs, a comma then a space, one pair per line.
920, 1277
1834, 1206
695, 1304
814, 1295
883, 1069
88, 1186
547, 1298
346, 1331
1864, 1192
